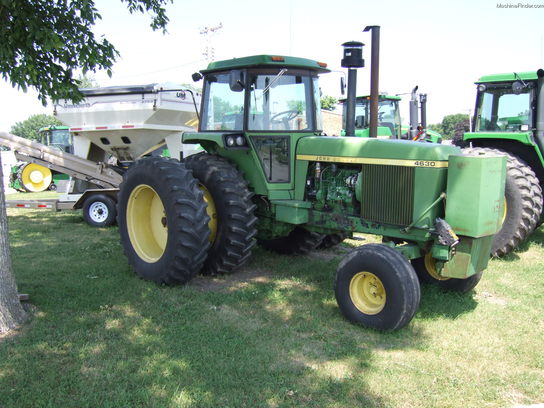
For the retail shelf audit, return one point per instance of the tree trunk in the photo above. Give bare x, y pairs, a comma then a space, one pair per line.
12, 314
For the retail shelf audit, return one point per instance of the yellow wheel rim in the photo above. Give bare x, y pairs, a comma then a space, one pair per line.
430, 267
36, 178
146, 223
367, 293
212, 213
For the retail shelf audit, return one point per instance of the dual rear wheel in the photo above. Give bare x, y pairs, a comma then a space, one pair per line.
178, 219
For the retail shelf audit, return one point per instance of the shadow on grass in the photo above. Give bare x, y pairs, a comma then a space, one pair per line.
102, 337
437, 302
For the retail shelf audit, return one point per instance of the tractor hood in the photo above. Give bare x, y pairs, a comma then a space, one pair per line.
374, 151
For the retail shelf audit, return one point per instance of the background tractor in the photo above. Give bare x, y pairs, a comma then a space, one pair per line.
267, 175
509, 120
32, 177
389, 119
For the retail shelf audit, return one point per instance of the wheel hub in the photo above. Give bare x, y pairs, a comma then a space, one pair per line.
146, 223
98, 212
367, 293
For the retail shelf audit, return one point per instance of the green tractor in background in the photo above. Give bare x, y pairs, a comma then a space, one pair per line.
267, 176
389, 120
509, 120
32, 177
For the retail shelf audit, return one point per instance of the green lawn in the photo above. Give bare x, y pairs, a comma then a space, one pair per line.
268, 336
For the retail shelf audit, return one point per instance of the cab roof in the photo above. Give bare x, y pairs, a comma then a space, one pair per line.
264, 61
509, 77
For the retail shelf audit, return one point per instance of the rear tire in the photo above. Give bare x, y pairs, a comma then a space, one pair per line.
523, 197
99, 211
377, 287
231, 211
162, 221
300, 241
426, 272
332, 240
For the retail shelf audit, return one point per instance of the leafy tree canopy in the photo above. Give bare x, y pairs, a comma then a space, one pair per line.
452, 126
29, 128
328, 102
44, 41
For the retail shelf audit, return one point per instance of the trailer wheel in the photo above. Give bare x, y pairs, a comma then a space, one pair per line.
34, 178
425, 268
99, 210
523, 202
377, 287
162, 221
331, 240
232, 220
299, 242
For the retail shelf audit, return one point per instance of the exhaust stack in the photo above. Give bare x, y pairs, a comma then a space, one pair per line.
374, 78
353, 59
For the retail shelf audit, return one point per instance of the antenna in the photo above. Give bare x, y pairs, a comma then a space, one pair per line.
209, 33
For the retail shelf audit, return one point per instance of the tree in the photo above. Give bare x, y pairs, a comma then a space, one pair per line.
87, 81
43, 53
328, 102
11, 311
29, 128
453, 124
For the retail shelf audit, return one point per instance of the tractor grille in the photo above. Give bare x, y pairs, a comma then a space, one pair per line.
388, 194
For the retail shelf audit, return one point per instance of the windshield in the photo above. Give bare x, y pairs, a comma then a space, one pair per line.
500, 110
280, 101
60, 138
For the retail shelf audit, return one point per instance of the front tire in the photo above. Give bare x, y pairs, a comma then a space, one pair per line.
523, 202
377, 287
99, 211
163, 221
231, 211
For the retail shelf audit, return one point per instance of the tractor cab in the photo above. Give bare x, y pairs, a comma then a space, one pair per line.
262, 105
389, 123
57, 136
505, 106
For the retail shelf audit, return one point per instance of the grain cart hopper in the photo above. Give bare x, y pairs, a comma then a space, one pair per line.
267, 175
509, 120
128, 122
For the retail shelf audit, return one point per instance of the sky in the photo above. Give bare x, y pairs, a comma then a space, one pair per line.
441, 46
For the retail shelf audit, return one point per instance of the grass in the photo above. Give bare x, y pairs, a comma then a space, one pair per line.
33, 196
268, 336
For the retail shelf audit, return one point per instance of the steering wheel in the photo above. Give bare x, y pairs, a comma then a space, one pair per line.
289, 115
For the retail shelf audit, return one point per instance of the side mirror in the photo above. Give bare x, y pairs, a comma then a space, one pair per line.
236, 80
517, 87
342, 86
197, 76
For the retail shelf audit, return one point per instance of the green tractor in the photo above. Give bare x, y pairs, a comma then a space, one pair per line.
509, 120
32, 177
389, 121
267, 176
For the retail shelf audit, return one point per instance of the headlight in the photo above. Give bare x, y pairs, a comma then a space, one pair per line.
230, 141
240, 141
482, 88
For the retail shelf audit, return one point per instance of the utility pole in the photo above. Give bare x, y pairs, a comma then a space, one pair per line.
208, 33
